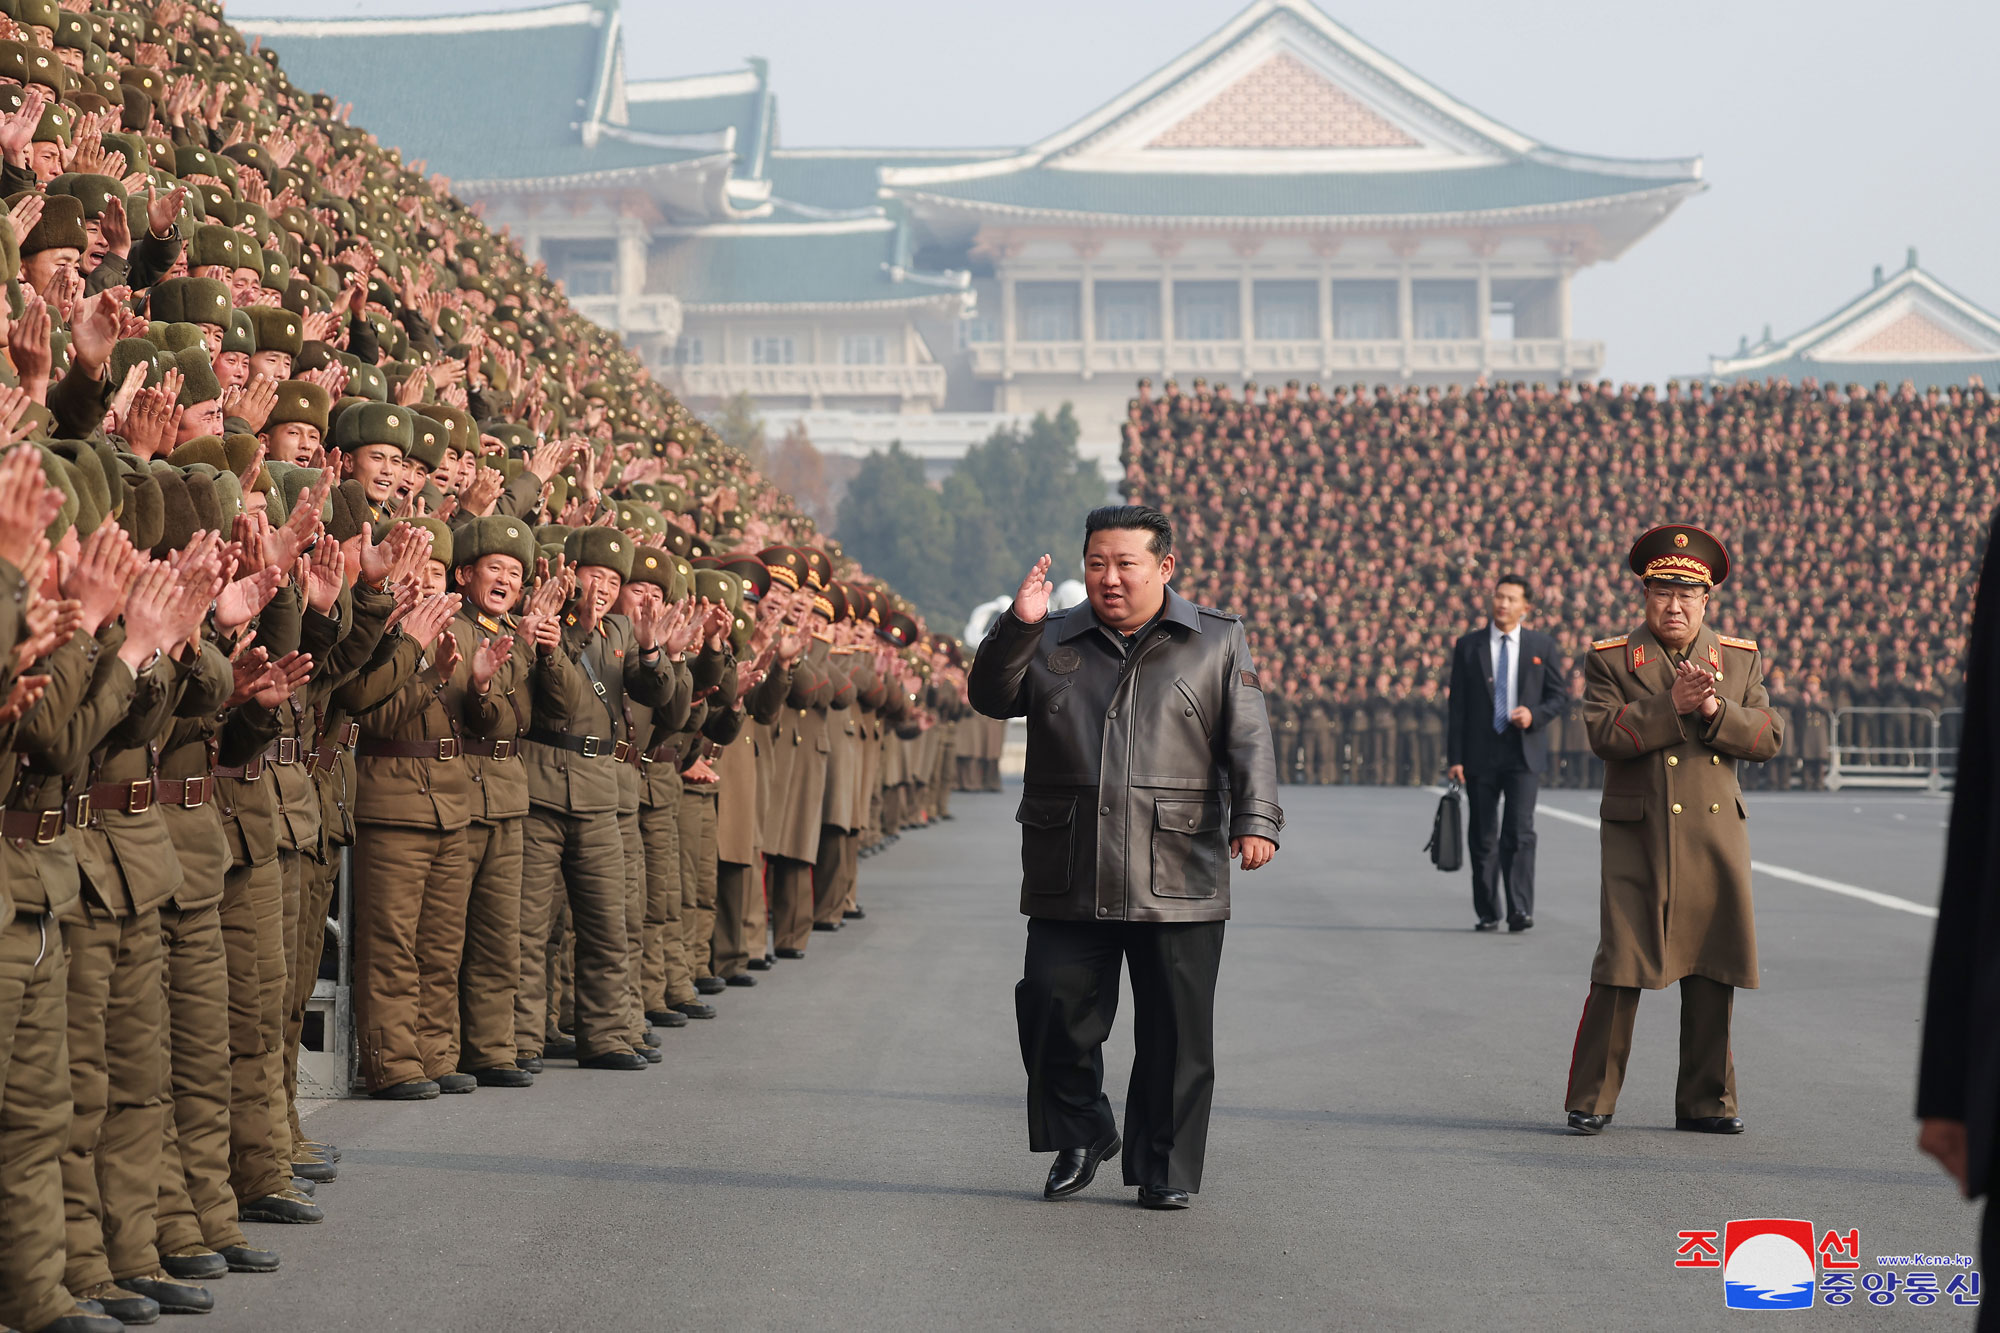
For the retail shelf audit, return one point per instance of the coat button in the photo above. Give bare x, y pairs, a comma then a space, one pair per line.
1673, 761
1104, 911
1190, 823
1715, 759
1103, 809
1112, 713
1189, 712
1677, 807
1715, 809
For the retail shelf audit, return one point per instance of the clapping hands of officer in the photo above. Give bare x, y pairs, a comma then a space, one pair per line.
1694, 690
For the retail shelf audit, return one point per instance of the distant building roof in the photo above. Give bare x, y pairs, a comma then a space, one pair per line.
1906, 327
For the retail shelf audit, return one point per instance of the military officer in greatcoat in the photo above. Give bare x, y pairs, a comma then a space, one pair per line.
1672, 708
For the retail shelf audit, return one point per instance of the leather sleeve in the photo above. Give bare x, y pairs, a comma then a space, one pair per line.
1252, 756
997, 684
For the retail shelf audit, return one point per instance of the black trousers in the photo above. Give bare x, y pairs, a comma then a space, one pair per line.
1065, 1002
1989, 1255
1502, 841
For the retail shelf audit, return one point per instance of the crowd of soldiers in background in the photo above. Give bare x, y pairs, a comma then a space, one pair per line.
334, 535
1358, 531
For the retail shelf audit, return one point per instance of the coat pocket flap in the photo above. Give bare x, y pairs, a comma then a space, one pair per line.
1622, 809
1188, 816
1047, 811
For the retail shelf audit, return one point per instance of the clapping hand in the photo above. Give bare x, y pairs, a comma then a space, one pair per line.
1694, 690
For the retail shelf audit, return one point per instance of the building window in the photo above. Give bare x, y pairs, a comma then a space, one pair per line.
1446, 309
864, 349
1207, 311
983, 324
772, 350
1364, 311
1287, 311
1500, 322
690, 352
584, 268
1047, 312
1127, 312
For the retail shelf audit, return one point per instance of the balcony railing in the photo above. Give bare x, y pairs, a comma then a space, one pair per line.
658, 316
1569, 356
816, 382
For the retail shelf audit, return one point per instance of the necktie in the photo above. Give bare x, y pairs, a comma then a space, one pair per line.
1501, 675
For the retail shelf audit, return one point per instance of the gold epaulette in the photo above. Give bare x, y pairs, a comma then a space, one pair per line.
1747, 645
1605, 645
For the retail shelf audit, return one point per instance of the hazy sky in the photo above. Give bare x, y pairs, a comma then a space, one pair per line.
1836, 134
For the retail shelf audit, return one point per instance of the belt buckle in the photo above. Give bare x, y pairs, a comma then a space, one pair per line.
590, 750
621, 751
503, 749
81, 815
194, 792
288, 750
448, 748
48, 826
138, 796
253, 768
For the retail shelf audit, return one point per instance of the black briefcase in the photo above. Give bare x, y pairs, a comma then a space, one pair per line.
1447, 844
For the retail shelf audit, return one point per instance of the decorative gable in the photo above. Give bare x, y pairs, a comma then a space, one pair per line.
1282, 103
1914, 334
1912, 320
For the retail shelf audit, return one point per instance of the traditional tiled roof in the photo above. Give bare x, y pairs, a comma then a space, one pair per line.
759, 265
1908, 326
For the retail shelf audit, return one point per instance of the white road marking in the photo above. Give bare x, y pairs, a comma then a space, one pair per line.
1880, 899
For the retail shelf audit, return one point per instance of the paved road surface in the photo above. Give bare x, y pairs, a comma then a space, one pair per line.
844, 1147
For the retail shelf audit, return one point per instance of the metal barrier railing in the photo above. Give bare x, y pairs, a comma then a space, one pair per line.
1892, 747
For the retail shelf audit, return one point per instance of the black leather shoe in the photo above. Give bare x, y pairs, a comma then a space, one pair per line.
666, 1018
197, 1263
650, 1038
826, 925
1149, 1197
618, 1058
560, 1049
740, 979
791, 953
315, 1170
1585, 1123
172, 1296
650, 1054
1486, 925
504, 1078
127, 1307
305, 1187
1074, 1168
696, 1009
708, 985
1517, 924
415, 1090
760, 965
326, 1150
856, 915
83, 1320
284, 1206
533, 1064
457, 1083
1709, 1124
244, 1259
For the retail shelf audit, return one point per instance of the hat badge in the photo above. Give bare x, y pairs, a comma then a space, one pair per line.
1680, 539
391, 419
513, 532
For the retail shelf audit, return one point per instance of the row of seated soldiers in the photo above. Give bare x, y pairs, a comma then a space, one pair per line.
1386, 735
563, 763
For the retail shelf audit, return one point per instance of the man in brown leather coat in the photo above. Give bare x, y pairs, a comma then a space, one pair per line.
1150, 765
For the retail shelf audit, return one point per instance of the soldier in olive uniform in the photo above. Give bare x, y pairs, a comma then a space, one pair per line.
1673, 708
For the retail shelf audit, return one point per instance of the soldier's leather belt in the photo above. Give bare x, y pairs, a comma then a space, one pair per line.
504, 748
442, 749
590, 747
284, 750
249, 772
40, 827
129, 798
325, 759
188, 793
664, 752
624, 752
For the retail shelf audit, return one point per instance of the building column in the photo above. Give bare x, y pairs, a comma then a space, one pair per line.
1406, 317
1562, 308
1246, 318
1086, 307
1166, 320
1006, 325
1326, 321
631, 268
1482, 324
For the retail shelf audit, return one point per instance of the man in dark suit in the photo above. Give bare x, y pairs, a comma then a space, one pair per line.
1958, 1074
1506, 688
